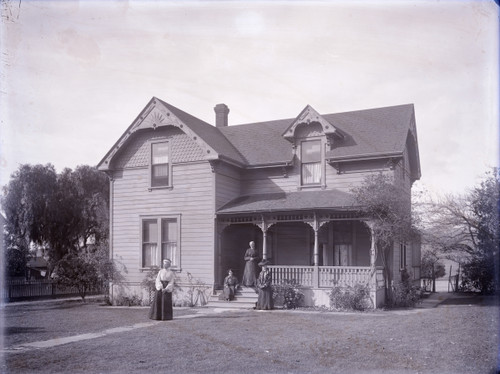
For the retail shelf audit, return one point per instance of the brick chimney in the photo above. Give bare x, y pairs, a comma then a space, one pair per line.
221, 112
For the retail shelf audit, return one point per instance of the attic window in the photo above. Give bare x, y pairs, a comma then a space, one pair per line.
160, 166
311, 162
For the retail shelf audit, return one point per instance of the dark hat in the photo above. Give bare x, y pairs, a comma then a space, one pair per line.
263, 263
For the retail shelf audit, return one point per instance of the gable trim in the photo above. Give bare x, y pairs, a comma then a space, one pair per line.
153, 116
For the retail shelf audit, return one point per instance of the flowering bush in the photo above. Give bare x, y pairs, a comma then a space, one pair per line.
288, 293
350, 298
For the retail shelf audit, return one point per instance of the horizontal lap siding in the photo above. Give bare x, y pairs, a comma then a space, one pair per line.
272, 180
353, 174
227, 186
191, 197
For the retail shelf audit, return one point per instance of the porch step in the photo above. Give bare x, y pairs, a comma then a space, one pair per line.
244, 298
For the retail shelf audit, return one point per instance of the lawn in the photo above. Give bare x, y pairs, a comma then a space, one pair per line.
459, 336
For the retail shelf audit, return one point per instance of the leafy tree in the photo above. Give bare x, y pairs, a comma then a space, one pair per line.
388, 209
59, 213
77, 270
27, 203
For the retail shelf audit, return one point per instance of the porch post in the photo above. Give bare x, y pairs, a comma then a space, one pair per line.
373, 259
316, 252
264, 243
373, 256
316, 244
263, 228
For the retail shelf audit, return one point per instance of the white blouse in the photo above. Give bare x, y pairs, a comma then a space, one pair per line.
165, 275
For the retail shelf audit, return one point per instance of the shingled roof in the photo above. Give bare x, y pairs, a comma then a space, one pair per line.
369, 132
366, 133
290, 201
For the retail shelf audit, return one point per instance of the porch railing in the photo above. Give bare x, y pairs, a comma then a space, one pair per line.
343, 276
300, 274
326, 276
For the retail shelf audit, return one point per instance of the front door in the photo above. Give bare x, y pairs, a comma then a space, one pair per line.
342, 254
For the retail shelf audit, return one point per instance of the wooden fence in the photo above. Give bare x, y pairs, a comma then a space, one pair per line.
20, 289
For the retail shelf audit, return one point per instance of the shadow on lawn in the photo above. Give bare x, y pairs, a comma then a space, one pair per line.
14, 330
472, 299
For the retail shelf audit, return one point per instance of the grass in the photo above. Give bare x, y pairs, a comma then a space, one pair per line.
459, 336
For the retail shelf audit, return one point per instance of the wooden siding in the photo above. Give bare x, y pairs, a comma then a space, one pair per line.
191, 198
262, 181
227, 185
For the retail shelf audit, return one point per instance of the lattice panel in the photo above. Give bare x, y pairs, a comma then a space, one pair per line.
136, 152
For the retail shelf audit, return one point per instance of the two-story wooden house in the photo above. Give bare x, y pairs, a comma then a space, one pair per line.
196, 193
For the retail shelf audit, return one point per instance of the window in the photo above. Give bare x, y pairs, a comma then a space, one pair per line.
160, 167
402, 258
311, 162
160, 240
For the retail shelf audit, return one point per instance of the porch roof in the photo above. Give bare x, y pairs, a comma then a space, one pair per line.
290, 201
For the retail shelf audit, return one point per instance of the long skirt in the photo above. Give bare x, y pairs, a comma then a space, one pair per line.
161, 309
265, 300
249, 274
228, 292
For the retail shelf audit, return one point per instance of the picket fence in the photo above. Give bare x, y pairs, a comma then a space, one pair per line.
21, 289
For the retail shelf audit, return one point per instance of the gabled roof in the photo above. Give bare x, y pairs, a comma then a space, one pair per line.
370, 133
290, 201
158, 113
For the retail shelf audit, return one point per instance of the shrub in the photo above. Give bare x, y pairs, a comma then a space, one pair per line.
288, 293
478, 275
404, 294
133, 300
350, 298
76, 270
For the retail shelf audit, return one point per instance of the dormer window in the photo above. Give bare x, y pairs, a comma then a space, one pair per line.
160, 166
311, 162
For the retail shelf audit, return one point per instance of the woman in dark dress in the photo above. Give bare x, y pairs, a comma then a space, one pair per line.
265, 300
230, 284
250, 272
161, 309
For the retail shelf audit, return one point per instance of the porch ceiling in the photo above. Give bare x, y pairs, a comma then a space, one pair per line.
290, 201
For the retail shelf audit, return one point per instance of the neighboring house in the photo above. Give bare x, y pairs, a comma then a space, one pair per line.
196, 193
37, 268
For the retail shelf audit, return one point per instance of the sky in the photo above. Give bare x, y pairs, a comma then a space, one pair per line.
75, 74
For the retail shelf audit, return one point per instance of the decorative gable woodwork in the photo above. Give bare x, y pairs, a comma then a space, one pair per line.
309, 117
156, 116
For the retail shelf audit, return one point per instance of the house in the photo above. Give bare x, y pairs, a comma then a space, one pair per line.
196, 193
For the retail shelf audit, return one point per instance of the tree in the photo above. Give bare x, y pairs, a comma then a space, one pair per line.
388, 209
432, 267
58, 213
27, 203
465, 228
77, 270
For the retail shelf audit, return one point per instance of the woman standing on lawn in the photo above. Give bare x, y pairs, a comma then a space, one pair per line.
265, 300
161, 309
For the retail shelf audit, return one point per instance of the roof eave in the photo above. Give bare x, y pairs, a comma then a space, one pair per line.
340, 208
364, 157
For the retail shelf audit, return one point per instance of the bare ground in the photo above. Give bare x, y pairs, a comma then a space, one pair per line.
458, 336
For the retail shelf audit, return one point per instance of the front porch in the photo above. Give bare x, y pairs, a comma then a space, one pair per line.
316, 249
